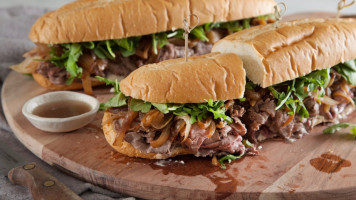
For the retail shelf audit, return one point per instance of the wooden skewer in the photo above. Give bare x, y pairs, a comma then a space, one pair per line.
187, 30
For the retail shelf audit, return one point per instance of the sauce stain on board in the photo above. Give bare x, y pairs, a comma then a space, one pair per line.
226, 181
329, 163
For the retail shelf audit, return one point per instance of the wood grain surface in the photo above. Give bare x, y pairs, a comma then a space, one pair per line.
317, 166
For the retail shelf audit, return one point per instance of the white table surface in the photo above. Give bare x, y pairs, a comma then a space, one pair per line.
294, 6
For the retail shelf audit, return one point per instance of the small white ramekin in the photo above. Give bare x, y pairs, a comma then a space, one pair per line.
60, 124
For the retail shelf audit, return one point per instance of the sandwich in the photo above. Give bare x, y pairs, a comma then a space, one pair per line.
177, 108
112, 38
299, 75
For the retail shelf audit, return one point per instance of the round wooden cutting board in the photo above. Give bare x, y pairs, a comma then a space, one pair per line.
315, 167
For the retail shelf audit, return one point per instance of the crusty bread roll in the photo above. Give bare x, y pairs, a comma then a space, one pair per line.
92, 20
274, 55
212, 76
116, 140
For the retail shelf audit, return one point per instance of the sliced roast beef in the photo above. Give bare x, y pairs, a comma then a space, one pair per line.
202, 48
171, 51
196, 138
57, 75
139, 142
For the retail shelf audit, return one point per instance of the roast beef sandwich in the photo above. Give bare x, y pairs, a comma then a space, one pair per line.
300, 74
92, 37
176, 108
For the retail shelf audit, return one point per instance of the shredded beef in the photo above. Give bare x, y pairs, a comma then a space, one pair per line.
57, 75
312, 106
264, 122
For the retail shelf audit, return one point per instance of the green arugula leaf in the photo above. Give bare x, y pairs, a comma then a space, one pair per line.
139, 105
176, 34
250, 85
347, 70
336, 127
88, 45
71, 66
116, 101
128, 46
242, 99
162, 107
200, 33
247, 143
108, 47
159, 40
353, 131
228, 158
246, 23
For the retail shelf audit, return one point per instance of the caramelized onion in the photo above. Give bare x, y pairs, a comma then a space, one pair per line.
252, 96
162, 138
331, 81
341, 94
86, 81
229, 104
143, 52
113, 117
328, 101
326, 108
161, 120
213, 36
215, 162
87, 62
221, 124
212, 129
148, 118
125, 124
156, 119
42, 49
28, 66
344, 87
205, 124
256, 22
290, 118
184, 133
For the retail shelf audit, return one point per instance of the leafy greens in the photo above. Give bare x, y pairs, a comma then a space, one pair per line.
336, 127
67, 55
298, 89
118, 100
348, 71
196, 111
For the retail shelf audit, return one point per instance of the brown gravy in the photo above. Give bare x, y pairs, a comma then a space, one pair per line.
62, 109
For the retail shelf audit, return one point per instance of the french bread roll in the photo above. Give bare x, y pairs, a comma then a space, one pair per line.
116, 140
93, 20
294, 49
212, 76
